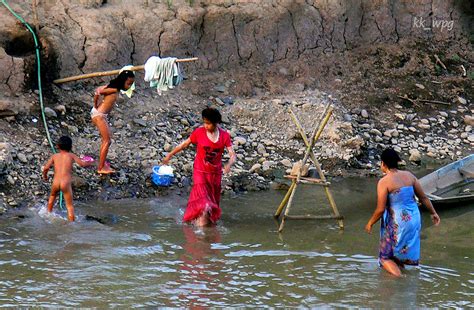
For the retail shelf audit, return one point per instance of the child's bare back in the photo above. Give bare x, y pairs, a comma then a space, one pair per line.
62, 163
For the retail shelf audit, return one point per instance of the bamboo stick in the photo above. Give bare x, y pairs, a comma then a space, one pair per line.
317, 130
307, 180
34, 5
314, 217
108, 73
334, 208
318, 168
285, 200
287, 210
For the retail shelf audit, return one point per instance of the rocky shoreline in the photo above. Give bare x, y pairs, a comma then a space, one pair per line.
266, 141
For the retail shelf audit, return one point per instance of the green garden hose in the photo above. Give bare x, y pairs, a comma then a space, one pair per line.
40, 90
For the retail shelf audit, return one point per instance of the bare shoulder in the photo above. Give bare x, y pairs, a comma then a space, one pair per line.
384, 181
408, 175
72, 155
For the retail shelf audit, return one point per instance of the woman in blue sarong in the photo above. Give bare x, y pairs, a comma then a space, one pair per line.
401, 222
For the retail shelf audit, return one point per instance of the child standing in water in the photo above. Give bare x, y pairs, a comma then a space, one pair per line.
101, 110
211, 140
62, 162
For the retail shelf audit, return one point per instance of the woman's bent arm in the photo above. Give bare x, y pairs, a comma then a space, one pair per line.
382, 192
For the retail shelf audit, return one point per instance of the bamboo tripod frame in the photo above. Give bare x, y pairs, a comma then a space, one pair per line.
107, 73
322, 181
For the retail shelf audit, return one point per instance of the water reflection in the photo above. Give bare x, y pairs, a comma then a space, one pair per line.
200, 266
399, 293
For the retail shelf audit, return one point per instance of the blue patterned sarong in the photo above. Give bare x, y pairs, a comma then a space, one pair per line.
401, 227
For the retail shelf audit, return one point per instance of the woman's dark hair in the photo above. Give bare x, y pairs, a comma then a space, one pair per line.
390, 158
212, 115
119, 81
64, 143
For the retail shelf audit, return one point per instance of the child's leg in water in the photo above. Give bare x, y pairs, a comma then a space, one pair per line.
104, 130
203, 220
392, 267
52, 196
67, 192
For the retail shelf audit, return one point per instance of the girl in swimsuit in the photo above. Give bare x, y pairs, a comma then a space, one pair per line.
102, 108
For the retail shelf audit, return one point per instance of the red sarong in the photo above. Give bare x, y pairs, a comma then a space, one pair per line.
205, 197
206, 192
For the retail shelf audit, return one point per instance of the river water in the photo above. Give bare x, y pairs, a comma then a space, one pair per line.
142, 255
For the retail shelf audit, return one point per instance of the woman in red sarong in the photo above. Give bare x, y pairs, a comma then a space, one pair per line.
211, 140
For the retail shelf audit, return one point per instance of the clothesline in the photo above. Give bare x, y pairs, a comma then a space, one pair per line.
107, 73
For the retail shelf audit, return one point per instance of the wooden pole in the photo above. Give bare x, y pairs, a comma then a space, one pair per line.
285, 200
313, 217
309, 152
316, 133
290, 201
320, 171
108, 73
34, 6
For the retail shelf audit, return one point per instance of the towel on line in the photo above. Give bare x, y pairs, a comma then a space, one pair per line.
163, 73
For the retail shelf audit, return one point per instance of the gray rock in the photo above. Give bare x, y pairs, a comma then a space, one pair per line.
461, 100
388, 133
424, 126
219, 101
185, 122
22, 158
5, 157
469, 120
261, 149
118, 124
411, 117
240, 141
167, 147
10, 180
400, 116
50, 112
267, 165
283, 71
255, 168
3, 206
60, 109
220, 88
225, 119
248, 128
286, 162
364, 114
140, 122
228, 100
415, 155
